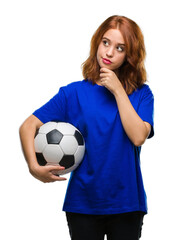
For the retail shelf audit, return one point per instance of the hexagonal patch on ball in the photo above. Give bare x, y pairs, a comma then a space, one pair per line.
66, 128
53, 153
68, 145
54, 137
67, 161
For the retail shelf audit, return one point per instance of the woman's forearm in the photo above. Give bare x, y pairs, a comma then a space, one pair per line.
27, 132
136, 129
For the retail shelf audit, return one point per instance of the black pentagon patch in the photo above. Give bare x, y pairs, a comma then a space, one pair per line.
54, 137
79, 138
67, 161
40, 159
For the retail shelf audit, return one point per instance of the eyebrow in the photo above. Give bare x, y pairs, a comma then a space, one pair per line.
110, 40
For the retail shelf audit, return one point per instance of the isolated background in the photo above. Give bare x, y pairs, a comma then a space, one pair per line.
42, 46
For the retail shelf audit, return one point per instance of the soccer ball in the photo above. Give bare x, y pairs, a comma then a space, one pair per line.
59, 143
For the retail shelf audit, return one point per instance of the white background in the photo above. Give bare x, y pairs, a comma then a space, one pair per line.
42, 46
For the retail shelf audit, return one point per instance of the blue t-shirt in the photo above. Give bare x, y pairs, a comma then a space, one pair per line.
109, 179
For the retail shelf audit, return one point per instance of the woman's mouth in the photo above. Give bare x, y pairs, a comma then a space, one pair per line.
106, 61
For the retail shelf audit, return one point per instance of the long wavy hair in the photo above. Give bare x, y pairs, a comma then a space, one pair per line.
131, 73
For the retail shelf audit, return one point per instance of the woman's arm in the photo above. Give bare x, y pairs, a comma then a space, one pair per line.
136, 129
27, 133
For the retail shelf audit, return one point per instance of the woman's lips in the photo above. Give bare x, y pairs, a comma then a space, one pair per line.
106, 61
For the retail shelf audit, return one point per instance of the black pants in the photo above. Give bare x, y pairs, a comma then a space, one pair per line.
126, 226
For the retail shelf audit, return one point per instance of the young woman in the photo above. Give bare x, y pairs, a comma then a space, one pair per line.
113, 109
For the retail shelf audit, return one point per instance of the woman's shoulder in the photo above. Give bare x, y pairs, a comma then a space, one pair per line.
74, 85
142, 93
144, 89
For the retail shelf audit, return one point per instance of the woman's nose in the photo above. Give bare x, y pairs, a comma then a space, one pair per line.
110, 52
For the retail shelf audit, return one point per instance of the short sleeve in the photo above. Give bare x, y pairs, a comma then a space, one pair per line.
54, 109
146, 108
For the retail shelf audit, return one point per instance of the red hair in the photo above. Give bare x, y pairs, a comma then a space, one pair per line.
132, 73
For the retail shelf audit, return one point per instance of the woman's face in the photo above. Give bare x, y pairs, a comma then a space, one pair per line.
111, 50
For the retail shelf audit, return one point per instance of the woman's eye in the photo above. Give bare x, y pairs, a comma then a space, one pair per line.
105, 43
120, 49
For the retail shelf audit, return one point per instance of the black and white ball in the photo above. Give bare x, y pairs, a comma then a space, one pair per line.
59, 143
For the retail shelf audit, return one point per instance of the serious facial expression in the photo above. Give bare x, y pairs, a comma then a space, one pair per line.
111, 50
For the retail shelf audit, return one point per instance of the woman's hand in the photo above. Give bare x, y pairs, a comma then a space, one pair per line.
46, 173
109, 80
